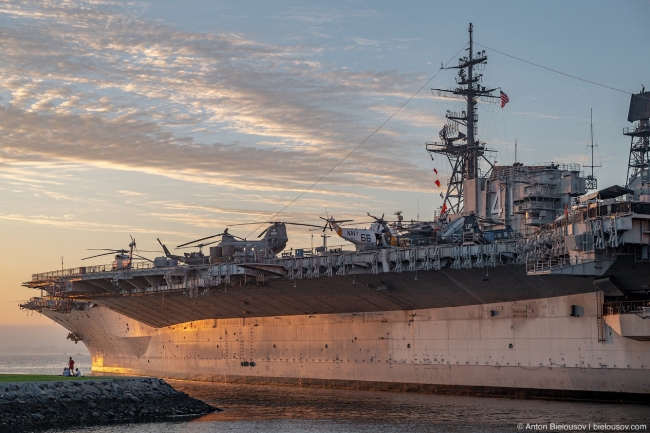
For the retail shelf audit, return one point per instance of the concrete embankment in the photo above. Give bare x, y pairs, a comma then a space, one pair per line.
39, 405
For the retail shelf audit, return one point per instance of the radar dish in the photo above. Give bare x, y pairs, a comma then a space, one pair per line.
639, 107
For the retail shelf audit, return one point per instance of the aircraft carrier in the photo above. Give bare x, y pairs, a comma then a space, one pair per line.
530, 281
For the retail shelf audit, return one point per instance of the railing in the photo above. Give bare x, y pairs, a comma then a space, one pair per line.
58, 304
75, 272
524, 169
546, 265
256, 257
581, 215
59, 274
620, 208
636, 129
312, 252
550, 264
557, 165
538, 205
640, 308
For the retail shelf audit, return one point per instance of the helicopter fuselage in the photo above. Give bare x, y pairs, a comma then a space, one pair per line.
377, 236
121, 262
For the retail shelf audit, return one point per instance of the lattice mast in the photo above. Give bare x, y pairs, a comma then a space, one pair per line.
638, 168
463, 150
591, 182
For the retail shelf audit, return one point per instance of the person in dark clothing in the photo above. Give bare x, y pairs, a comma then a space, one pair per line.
71, 364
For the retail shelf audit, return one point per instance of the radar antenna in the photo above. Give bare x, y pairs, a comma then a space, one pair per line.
463, 150
591, 182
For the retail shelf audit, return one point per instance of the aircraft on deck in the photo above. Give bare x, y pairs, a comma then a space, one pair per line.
379, 235
123, 258
274, 240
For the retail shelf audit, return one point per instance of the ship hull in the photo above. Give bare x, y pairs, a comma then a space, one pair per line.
524, 348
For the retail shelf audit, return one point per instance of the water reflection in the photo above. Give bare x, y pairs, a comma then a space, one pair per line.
268, 402
270, 408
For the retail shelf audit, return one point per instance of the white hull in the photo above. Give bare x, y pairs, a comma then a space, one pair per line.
531, 347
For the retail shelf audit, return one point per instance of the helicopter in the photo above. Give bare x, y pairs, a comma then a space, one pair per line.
123, 258
274, 240
379, 235
192, 258
195, 257
384, 234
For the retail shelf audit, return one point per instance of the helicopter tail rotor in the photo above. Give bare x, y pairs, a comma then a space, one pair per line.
329, 221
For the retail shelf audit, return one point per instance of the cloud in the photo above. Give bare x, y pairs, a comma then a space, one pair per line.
131, 193
69, 221
543, 116
317, 16
116, 91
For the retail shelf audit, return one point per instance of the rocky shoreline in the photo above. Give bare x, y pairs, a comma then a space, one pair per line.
41, 405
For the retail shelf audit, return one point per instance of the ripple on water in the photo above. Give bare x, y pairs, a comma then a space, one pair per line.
262, 408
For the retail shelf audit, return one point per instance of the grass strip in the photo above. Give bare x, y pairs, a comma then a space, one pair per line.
5, 378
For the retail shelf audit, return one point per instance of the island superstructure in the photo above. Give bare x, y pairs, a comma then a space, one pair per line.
526, 283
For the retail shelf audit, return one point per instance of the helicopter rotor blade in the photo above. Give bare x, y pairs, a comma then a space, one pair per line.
195, 246
275, 223
98, 255
258, 222
334, 220
262, 234
301, 224
198, 240
144, 258
102, 249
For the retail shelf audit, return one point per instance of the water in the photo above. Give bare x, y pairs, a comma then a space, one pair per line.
42, 363
270, 408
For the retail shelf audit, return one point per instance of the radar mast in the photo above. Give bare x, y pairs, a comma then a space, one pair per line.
638, 168
463, 150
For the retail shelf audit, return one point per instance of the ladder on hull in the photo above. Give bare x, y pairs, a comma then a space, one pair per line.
599, 316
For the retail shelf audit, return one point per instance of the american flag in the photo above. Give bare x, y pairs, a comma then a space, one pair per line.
435, 171
437, 183
504, 99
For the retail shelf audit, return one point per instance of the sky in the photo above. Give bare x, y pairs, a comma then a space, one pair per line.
178, 119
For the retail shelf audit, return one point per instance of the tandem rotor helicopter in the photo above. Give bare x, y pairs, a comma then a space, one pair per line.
274, 241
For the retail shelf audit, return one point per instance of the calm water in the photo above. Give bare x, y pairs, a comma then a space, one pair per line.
42, 363
267, 408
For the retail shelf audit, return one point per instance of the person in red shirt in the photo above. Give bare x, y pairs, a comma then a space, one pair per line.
71, 364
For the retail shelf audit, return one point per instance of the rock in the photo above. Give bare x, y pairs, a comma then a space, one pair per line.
48, 405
